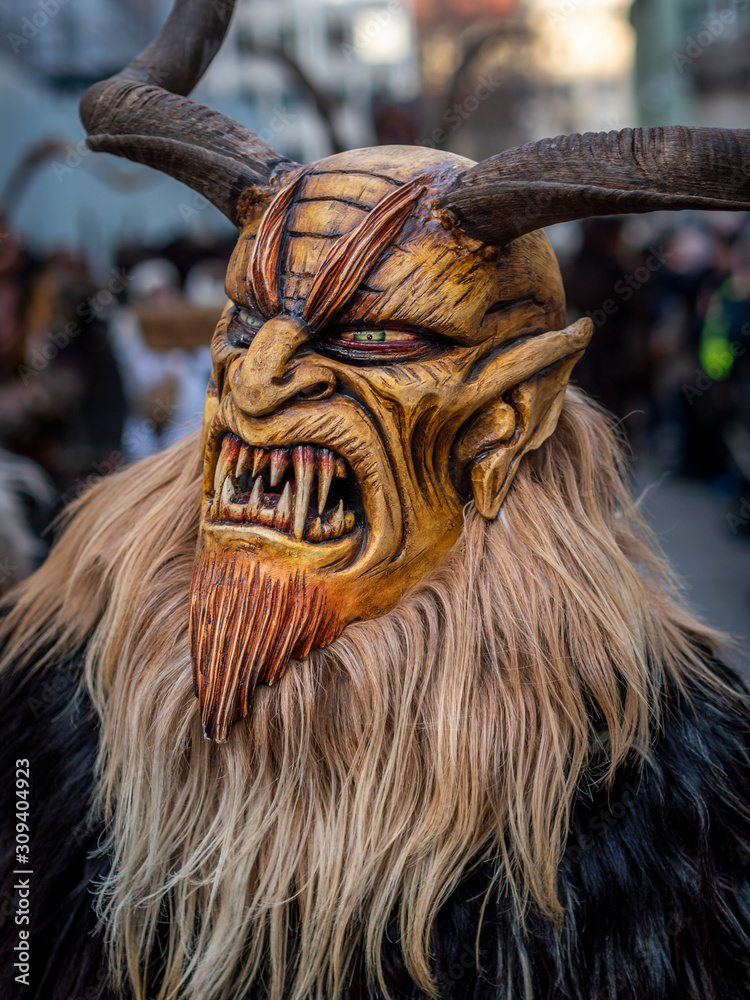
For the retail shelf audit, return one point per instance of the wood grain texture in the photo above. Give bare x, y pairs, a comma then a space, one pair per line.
266, 254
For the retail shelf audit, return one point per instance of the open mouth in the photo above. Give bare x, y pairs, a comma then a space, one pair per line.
306, 492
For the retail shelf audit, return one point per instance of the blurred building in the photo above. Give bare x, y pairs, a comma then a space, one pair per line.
307, 75
447, 28
73, 43
582, 62
693, 62
498, 73
316, 70
310, 76
52, 51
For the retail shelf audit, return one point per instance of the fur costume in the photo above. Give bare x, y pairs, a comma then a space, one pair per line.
379, 689
528, 780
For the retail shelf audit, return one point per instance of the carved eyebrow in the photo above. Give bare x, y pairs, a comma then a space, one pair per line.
266, 255
353, 256
345, 266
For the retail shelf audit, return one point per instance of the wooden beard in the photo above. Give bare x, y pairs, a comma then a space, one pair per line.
372, 372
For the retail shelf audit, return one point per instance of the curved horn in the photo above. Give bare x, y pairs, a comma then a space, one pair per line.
142, 112
605, 173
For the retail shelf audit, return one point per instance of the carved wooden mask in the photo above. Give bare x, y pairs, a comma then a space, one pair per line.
394, 343
373, 372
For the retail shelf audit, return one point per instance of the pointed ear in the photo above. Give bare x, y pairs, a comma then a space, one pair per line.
516, 422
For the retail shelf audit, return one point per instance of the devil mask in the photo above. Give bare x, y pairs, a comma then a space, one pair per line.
373, 372
393, 345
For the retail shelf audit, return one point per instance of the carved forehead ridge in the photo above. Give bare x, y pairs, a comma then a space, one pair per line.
357, 236
335, 198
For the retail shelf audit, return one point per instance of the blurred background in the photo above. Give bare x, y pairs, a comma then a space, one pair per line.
111, 274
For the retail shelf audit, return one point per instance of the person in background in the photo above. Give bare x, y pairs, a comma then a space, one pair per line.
165, 388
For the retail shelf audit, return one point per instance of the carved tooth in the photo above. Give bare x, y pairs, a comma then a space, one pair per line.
336, 520
326, 467
319, 531
304, 473
227, 495
222, 463
349, 521
257, 500
243, 460
340, 468
260, 461
232, 453
284, 509
230, 449
236, 511
267, 516
315, 531
279, 462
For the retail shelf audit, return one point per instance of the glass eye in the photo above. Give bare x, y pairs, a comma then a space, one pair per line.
243, 327
369, 336
373, 346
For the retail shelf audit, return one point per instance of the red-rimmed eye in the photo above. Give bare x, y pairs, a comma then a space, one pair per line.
376, 343
376, 337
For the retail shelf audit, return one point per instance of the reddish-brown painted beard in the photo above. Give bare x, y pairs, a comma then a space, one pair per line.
248, 618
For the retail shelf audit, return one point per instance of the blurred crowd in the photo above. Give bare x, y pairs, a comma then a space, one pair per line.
97, 370
669, 296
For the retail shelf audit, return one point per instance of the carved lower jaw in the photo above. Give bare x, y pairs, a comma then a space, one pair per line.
304, 492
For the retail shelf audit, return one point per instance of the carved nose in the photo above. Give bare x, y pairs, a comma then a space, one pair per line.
270, 374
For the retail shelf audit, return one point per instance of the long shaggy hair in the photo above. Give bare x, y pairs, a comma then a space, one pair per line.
377, 772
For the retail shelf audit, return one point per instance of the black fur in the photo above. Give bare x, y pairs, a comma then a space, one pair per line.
44, 722
655, 878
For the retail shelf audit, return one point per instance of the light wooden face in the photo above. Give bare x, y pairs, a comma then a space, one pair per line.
351, 450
